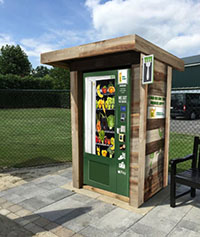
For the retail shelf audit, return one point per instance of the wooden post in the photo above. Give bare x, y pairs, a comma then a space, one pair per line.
76, 81
142, 136
138, 139
167, 126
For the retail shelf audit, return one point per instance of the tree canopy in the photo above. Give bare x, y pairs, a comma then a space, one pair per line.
13, 60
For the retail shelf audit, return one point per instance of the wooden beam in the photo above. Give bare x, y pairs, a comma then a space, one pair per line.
111, 46
146, 47
77, 125
167, 126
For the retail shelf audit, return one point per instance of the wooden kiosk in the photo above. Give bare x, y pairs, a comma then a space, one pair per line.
149, 107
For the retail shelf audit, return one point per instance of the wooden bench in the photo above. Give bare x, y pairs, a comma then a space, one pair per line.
190, 177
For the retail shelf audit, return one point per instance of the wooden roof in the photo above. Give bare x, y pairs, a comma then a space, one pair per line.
62, 57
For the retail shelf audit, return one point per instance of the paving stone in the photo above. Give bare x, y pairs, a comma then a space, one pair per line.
193, 215
34, 203
116, 221
12, 216
182, 232
60, 208
57, 194
63, 232
47, 185
77, 235
42, 222
142, 230
34, 228
22, 221
164, 218
76, 220
51, 226
45, 234
14, 208
14, 198
91, 231
4, 212
57, 179
82, 217
23, 212
2, 200
6, 204
190, 225
9, 228
31, 218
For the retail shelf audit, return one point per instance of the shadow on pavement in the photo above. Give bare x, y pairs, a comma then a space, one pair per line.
10, 228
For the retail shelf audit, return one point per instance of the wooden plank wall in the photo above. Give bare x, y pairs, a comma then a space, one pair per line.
155, 142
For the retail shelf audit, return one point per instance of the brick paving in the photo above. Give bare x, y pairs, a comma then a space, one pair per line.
41, 207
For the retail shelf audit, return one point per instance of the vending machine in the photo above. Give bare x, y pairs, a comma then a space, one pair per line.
107, 130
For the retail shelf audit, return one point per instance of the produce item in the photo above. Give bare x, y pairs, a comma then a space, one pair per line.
112, 140
104, 122
111, 88
111, 152
98, 150
97, 139
104, 153
104, 90
108, 142
105, 140
98, 126
111, 121
97, 105
99, 92
113, 103
101, 104
102, 135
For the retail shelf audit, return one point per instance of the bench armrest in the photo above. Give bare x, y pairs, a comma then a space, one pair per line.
174, 162
180, 160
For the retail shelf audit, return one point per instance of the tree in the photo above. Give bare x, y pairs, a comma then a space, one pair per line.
61, 78
40, 71
13, 60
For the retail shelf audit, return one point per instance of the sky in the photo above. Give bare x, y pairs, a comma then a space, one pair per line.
44, 25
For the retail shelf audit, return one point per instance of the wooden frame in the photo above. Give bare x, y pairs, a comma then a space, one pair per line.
148, 147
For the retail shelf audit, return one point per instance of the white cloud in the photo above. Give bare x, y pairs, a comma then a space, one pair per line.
5, 39
1, 1
173, 24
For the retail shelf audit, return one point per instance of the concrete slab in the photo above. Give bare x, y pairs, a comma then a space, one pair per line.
180, 232
139, 229
116, 221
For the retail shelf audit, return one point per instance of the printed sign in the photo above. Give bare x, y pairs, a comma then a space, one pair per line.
122, 76
154, 100
156, 112
148, 68
122, 99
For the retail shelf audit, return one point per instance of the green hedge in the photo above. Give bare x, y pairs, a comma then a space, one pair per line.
10, 81
34, 99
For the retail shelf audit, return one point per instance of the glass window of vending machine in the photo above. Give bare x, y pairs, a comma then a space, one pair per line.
106, 130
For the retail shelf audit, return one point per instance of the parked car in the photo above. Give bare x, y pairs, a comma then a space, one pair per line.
185, 103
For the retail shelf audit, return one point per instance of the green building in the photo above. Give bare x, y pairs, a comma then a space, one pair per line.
190, 78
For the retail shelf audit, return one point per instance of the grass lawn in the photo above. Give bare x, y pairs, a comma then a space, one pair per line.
34, 136
180, 145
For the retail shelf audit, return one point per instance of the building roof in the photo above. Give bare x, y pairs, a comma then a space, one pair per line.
129, 43
191, 60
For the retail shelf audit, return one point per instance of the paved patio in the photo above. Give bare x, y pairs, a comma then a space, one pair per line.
49, 206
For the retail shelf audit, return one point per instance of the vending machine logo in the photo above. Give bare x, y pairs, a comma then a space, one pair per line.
123, 76
148, 68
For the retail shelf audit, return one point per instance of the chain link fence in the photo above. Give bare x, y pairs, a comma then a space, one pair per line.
185, 124
35, 127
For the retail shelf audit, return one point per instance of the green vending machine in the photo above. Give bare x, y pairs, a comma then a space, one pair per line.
107, 130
